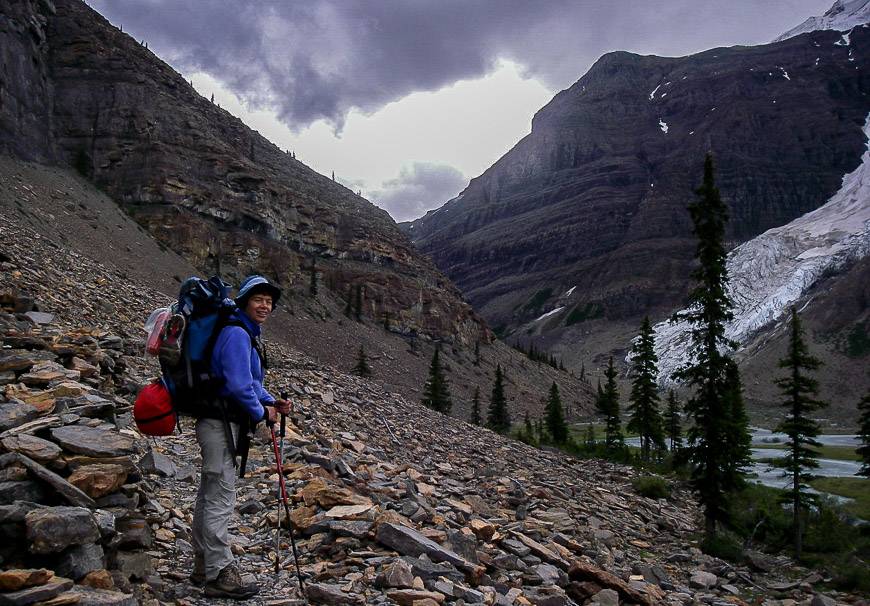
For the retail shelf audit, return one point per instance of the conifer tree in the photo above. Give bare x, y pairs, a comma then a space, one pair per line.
362, 367
589, 439
672, 422
600, 402
312, 283
709, 310
358, 303
477, 353
475, 407
527, 422
737, 436
799, 391
613, 439
645, 419
348, 309
497, 416
864, 434
436, 393
555, 418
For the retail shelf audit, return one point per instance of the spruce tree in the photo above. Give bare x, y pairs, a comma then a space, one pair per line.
312, 282
672, 422
709, 310
475, 407
737, 436
362, 368
497, 416
477, 353
613, 440
555, 418
436, 393
864, 434
348, 304
645, 419
358, 303
527, 422
799, 391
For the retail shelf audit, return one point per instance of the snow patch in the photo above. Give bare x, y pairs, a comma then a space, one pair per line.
784, 73
569, 291
549, 313
653, 93
772, 271
663, 125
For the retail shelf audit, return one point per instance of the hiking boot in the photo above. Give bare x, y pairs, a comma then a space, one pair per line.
228, 584
197, 577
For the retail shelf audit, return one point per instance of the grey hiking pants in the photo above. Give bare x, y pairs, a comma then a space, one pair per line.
216, 498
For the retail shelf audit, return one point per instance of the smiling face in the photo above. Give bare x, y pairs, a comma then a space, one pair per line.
259, 307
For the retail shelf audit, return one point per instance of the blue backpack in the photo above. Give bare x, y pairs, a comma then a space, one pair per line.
187, 339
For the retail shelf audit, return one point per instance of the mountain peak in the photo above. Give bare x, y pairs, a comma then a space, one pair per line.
842, 16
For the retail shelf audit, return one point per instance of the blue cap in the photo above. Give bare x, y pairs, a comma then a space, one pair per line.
253, 285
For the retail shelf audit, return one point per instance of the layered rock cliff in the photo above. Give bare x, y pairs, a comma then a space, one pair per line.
595, 196
81, 92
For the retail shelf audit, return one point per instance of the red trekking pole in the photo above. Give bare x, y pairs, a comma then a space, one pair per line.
280, 468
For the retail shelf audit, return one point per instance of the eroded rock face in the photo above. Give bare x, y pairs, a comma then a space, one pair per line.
202, 182
595, 197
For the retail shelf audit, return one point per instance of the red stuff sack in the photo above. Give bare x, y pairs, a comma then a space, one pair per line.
153, 410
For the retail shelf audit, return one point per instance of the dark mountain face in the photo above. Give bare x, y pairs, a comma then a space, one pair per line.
595, 197
78, 91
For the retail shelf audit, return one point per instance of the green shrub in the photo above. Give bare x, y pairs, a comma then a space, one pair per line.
652, 487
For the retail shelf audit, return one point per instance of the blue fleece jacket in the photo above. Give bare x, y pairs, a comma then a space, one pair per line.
237, 362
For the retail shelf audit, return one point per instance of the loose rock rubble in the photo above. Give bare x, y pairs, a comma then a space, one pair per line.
391, 503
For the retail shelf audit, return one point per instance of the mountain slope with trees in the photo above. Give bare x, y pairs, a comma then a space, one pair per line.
585, 217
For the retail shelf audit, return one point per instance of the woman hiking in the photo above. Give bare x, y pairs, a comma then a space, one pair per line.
238, 362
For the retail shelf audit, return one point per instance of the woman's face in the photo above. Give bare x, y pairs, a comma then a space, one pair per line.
259, 307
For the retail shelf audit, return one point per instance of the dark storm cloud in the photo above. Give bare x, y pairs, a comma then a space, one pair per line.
418, 188
320, 58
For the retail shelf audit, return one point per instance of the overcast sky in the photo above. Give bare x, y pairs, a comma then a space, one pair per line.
406, 100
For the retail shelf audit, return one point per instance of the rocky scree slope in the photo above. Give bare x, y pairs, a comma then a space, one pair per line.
81, 93
586, 216
51, 209
392, 503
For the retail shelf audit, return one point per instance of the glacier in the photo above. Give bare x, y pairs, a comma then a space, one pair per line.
842, 16
771, 272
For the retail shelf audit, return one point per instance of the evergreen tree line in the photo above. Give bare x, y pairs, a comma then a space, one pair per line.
536, 355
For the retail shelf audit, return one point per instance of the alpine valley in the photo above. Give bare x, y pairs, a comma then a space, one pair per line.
581, 229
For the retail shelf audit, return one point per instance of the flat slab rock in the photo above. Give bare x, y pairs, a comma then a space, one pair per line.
72, 494
39, 593
53, 529
14, 580
408, 541
15, 413
93, 441
323, 593
31, 446
88, 596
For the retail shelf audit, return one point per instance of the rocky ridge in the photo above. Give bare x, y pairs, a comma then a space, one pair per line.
82, 93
